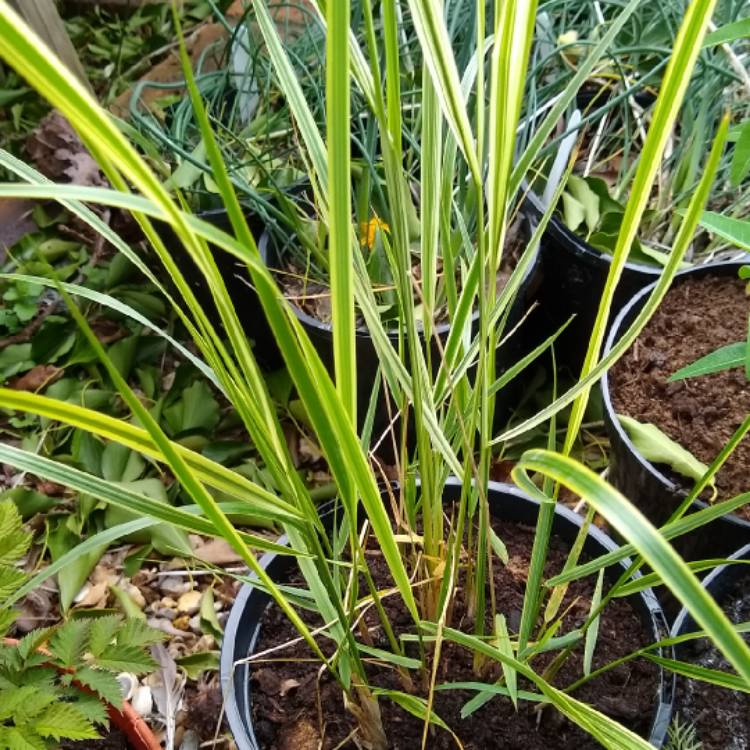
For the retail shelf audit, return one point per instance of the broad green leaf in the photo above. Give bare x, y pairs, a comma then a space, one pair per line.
498, 546
120, 464
728, 33
127, 604
573, 212
735, 231
740, 167
724, 358
195, 665
587, 199
207, 613
659, 448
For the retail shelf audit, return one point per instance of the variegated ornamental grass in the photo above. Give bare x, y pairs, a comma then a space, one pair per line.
467, 170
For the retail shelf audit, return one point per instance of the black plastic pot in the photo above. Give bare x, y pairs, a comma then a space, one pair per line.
719, 583
253, 320
237, 280
573, 278
507, 502
368, 361
642, 482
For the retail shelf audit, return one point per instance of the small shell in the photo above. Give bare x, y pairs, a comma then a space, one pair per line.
128, 684
142, 700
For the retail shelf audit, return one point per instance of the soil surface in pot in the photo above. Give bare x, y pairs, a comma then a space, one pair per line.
313, 297
287, 691
721, 717
114, 739
697, 316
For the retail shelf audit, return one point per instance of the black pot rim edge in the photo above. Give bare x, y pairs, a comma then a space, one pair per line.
684, 618
664, 700
441, 329
609, 410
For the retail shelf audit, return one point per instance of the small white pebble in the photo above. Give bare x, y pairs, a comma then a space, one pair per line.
142, 700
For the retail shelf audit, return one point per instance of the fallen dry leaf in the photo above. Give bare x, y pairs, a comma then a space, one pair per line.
51, 489
215, 551
36, 378
59, 154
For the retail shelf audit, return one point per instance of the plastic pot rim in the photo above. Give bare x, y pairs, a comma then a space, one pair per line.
684, 619
610, 415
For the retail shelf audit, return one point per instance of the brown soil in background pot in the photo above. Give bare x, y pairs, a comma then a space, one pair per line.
721, 717
288, 686
697, 316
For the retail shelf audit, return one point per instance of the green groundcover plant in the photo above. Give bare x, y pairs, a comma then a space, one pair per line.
56, 682
468, 126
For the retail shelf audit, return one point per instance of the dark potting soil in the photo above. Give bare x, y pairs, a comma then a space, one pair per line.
696, 317
314, 298
113, 739
721, 717
292, 698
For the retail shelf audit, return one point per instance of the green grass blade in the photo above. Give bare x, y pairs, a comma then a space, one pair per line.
429, 24
628, 521
338, 106
607, 731
685, 52
704, 674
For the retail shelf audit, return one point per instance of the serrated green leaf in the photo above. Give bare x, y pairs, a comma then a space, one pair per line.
103, 632
65, 721
13, 738
125, 658
16, 541
92, 708
12, 698
137, 633
69, 642
10, 580
659, 448
104, 684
